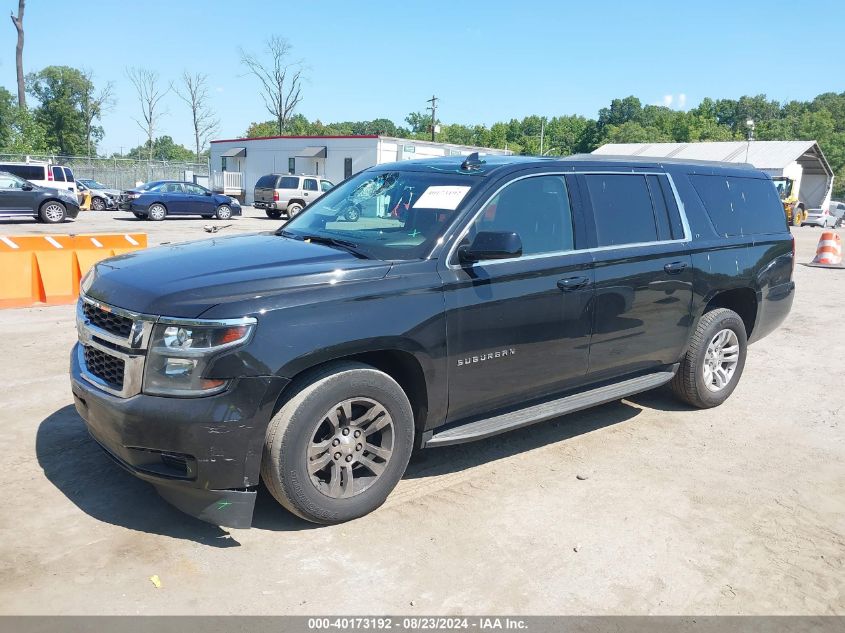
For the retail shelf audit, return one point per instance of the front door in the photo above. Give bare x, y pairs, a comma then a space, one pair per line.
643, 273
14, 200
519, 328
198, 201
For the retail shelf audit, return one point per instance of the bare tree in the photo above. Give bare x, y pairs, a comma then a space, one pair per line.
17, 20
93, 105
150, 94
193, 90
281, 79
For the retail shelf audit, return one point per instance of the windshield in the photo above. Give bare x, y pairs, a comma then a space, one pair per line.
784, 187
92, 184
392, 215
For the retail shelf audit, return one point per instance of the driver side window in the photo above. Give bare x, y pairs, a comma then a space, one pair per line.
10, 182
535, 208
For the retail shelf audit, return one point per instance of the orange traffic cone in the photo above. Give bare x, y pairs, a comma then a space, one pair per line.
829, 250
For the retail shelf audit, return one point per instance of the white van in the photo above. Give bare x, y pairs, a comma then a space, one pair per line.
43, 174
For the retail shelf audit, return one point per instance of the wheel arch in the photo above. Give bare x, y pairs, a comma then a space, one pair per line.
742, 300
298, 201
407, 367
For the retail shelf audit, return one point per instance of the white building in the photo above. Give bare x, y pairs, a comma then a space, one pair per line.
236, 164
801, 162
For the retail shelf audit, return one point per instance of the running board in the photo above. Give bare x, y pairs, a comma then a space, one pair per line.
546, 411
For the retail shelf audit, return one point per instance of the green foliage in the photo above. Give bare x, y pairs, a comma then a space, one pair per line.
164, 149
61, 92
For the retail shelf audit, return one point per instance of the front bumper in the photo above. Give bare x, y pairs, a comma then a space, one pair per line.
203, 455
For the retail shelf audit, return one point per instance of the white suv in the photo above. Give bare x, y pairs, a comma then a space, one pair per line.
43, 174
287, 193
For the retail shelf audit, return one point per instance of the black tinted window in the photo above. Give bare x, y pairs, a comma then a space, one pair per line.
309, 184
68, 174
58, 174
288, 182
741, 206
622, 209
27, 172
267, 182
537, 209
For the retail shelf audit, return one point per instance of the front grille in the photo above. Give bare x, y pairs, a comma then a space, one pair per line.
108, 321
104, 366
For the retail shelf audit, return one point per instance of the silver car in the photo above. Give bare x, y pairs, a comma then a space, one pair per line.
102, 197
288, 193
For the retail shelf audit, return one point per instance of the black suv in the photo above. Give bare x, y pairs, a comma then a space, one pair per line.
20, 198
472, 297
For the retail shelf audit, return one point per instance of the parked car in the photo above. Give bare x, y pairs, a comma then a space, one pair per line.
508, 291
43, 174
21, 198
171, 197
837, 210
288, 194
102, 196
819, 217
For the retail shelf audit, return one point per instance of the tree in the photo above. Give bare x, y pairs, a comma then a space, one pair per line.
61, 91
93, 105
162, 148
24, 134
17, 20
150, 94
193, 90
281, 79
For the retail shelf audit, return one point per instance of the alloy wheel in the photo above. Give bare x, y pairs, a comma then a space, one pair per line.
721, 359
350, 448
54, 212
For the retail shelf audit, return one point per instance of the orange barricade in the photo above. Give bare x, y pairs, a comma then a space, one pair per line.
47, 269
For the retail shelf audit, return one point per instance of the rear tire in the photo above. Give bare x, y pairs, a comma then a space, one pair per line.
711, 368
52, 212
326, 430
797, 217
293, 210
156, 212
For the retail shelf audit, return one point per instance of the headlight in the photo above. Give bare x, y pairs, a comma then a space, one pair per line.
180, 352
88, 280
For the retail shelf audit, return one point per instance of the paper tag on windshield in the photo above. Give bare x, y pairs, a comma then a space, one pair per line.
441, 198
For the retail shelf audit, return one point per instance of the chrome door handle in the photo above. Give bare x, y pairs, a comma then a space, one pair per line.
675, 268
573, 283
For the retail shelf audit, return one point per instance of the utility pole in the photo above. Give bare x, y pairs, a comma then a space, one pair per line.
542, 133
433, 107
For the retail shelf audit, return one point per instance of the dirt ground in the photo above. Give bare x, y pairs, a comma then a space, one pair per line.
734, 510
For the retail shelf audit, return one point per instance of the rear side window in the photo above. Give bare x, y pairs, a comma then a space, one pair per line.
58, 174
622, 209
267, 182
740, 206
288, 182
68, 174
27, 172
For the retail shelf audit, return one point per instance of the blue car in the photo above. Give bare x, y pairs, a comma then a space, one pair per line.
157, 200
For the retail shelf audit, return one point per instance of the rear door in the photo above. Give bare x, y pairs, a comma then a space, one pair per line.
176, 199
519, 328
310, 190
643, 272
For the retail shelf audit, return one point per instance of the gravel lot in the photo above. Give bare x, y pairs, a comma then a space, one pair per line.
735, 510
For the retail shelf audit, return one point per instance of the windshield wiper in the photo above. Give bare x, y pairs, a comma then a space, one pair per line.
350, 247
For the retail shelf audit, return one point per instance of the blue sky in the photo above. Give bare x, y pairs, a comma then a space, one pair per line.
487, 61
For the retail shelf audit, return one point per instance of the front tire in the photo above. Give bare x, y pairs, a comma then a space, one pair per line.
52, 212
339, 445
798, 217
98, 204
352, 214
224, 212
156, 212
713, 364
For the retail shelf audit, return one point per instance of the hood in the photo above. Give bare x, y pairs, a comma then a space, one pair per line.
185, 280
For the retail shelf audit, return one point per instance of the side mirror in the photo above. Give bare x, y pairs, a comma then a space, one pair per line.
27, 187
491, 245
208, 193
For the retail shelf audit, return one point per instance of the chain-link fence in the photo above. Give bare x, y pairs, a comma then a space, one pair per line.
120, 173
